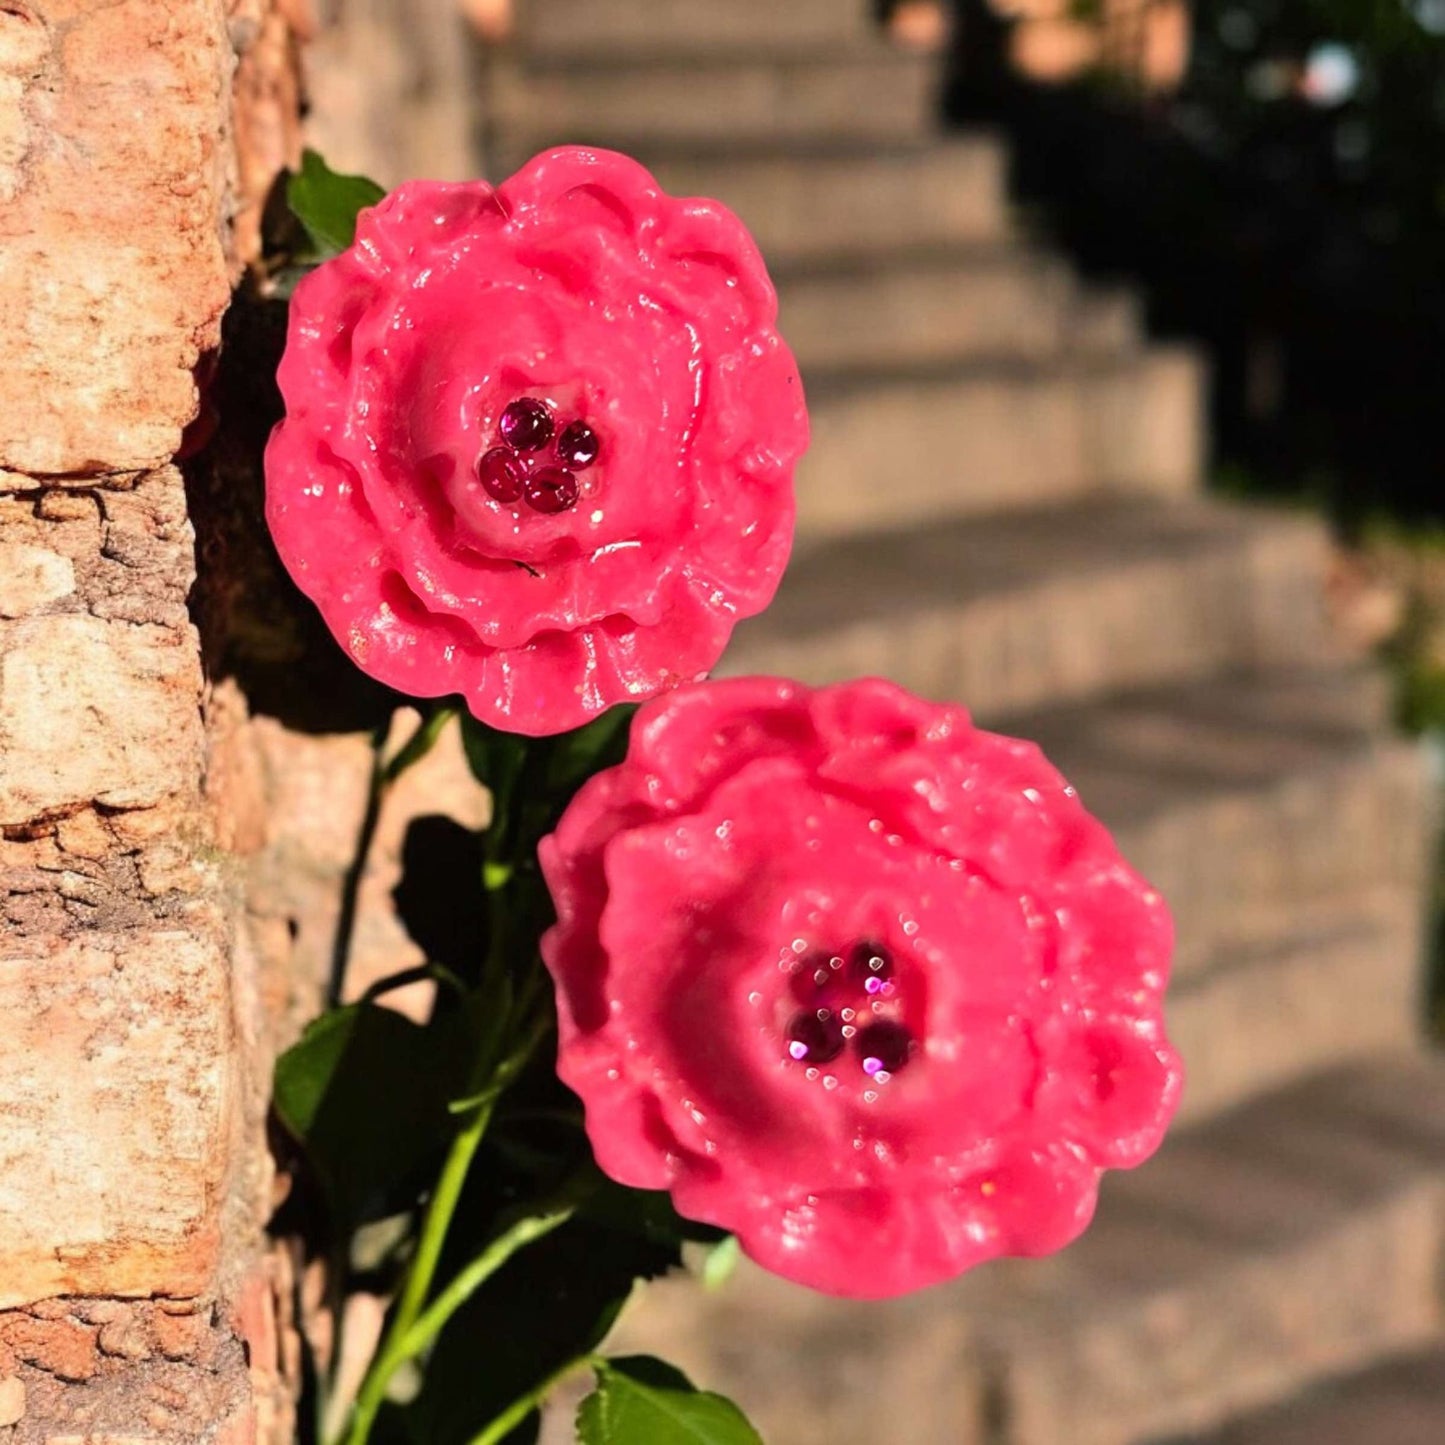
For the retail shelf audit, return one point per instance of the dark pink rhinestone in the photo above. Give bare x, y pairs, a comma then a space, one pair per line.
871, 965
883, 1048
527, 424
814, 972
578, 446
550, 489
503, 474
815, 1036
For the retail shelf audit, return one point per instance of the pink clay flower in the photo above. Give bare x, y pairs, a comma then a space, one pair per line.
539, 440
856, 980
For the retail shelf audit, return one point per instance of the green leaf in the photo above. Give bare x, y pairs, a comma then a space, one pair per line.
496, 760
648, 1213
721, 1262
439, 897
642, 1401
554, 1301
586, 750
328, 203
364, 1093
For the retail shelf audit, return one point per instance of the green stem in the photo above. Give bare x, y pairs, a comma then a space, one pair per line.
351, 884
508, 1069
419, 1276
477, 1273
421, 742
413, 1324
422, 973
383, 775
398, 1346
523, 1405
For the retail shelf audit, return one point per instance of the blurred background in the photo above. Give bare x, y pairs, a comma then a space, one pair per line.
1123, 325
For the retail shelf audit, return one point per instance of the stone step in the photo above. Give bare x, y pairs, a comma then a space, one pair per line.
865, 92
922, 307
1032, 609
895, 447
1107, 318
857, 201
596, 29
1292, 1238
1399, 1402
1341, 988
1251, 803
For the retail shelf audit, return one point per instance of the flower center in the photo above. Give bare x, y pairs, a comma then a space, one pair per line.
578, 446
527, 424
883, 1048
503, 473
870, 965
512, 471
551, 489
845, 1005
815, 1037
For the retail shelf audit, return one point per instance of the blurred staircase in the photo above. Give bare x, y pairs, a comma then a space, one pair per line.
1002, 506
1400, 1402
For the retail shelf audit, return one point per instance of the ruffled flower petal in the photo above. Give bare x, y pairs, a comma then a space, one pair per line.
856, 980
581, 285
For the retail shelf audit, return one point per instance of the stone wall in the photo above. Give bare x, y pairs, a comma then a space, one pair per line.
132, 1182
394, 88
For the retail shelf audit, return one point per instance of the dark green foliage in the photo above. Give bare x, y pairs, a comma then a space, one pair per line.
328, 203
1298, 233
556, 1300
642, 1401
365, 1094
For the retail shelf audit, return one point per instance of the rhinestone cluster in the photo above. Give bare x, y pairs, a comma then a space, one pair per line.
844, 997
515, 471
